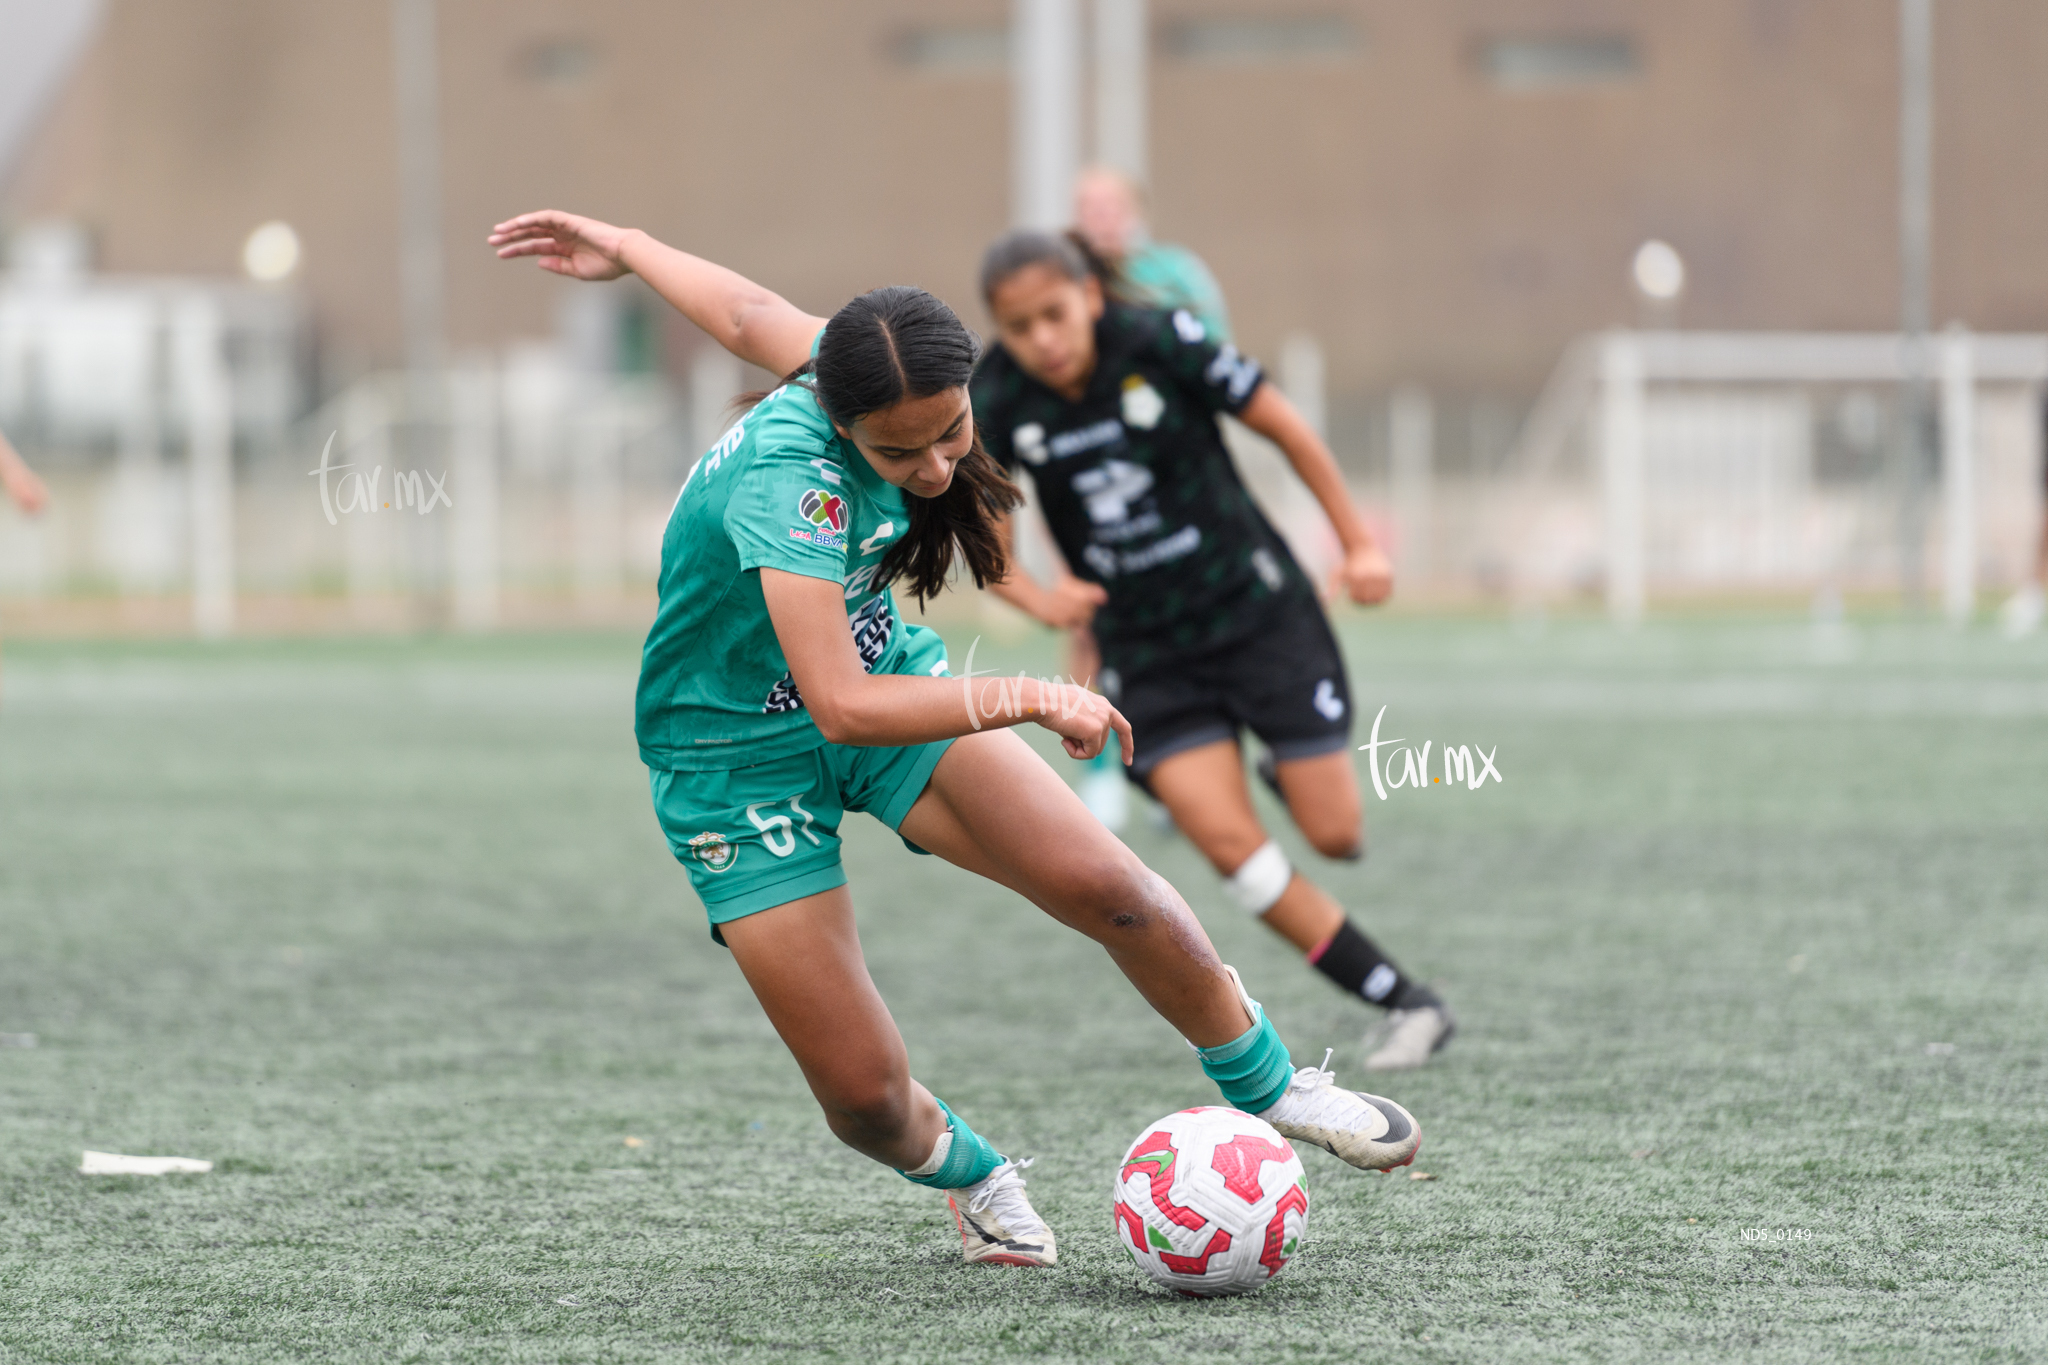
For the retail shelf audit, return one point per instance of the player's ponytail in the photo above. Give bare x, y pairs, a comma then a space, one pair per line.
897, 343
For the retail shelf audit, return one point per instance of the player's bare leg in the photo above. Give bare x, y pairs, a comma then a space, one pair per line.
1322, 796
1204, 788
804, 963
993, 808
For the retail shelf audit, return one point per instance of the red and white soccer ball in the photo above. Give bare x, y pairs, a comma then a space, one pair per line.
1211, 1201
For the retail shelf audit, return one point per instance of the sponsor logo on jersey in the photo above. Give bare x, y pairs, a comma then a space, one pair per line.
1108, 563
712, 850
1109, 489
1069, 443
824, 510
1189, 327
1143, 407
873, 626
1268, 568
783, 697
1235, 373
1176, 546
1029, 442
878, 538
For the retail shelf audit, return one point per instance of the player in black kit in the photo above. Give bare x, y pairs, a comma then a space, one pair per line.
1207, 626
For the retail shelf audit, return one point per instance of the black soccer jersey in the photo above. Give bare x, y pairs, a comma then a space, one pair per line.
1138, 488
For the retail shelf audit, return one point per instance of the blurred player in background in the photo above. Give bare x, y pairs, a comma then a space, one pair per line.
1207, 625
779, 690
1109, 215
21, 482
2022, 612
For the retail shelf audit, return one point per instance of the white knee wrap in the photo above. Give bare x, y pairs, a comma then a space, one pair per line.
1262, 879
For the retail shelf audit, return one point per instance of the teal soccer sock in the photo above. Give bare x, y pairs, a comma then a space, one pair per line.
967, 1161
1252, 1069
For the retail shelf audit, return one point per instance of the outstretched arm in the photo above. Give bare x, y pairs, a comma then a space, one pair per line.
1366, 573
20, 481
755, 324
852, 706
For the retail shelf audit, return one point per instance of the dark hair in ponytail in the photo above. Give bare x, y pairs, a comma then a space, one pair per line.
1066, 252
897, 343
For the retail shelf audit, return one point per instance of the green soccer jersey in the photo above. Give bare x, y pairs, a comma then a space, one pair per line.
780, 490
1167, 277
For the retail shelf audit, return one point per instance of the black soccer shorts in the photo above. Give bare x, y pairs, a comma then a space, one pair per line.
1286, 684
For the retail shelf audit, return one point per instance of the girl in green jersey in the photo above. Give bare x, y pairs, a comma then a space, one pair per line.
778, 691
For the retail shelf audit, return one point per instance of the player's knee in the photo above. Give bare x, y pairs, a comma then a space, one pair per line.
1336, 839
1227, 852
1335, 829
1114, 896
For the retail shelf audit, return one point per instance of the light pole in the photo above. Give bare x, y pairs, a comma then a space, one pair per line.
417, 91
1045, 80
1120, 56
421, 269
1916, 230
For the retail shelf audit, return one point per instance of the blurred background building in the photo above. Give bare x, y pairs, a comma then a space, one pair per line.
1419, 209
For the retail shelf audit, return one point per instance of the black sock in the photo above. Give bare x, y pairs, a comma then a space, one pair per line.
1358, 967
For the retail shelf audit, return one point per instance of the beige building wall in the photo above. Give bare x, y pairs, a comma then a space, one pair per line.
1391, 198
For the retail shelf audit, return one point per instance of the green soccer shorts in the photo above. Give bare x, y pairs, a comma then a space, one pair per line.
755, 838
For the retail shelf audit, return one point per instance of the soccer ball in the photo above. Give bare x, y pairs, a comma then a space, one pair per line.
1211, 1201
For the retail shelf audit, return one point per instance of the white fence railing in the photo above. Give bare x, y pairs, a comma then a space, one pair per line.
1652, 464
1713, 461
142, 365
408, 509
166, 415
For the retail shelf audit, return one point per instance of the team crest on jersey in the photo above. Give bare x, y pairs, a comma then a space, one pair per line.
1029, 441
713, 851
826, 511
1143, 407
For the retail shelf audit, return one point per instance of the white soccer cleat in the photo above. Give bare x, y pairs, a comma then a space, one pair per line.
1409, 1038
1371, 1133
997, 1224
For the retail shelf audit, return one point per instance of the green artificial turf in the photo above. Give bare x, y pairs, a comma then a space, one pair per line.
1750, 937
